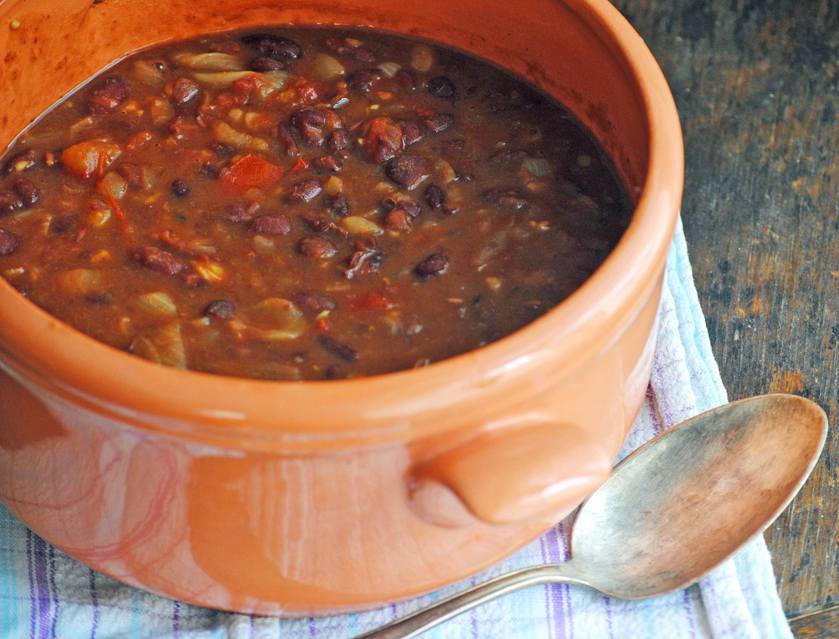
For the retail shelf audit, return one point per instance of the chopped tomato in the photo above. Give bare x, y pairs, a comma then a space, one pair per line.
300, 165
371, 301
251, 171
137, 141
90, 158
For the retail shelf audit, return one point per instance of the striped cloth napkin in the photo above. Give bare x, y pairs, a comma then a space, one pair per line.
45, 594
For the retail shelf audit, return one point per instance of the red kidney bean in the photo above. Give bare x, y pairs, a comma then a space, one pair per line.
398, 220
507, 156
366, 258
108, 95
8, 242
264, 64
184, 90
220, 309
317, 247
441, 87
383, 139
274, 46
438, 122
409, 206
453, 146
407, 170
433, 265
326, 164
434, 196
210, 170
28, 192
305, 191
309, 123
511, 198
321, 224
288, 141
406, 79
277, 224
156, 259
315, 303
131, 173
345, 352
238, 213
411, 132
338, 140
222, 150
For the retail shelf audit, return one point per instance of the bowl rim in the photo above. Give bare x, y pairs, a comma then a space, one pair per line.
50, 356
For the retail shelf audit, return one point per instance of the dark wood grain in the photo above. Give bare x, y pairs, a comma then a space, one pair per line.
819, 625
757, 86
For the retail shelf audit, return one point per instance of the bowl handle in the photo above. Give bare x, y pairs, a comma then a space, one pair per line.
537, 471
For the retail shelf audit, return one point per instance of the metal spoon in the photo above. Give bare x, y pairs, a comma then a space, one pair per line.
734, 469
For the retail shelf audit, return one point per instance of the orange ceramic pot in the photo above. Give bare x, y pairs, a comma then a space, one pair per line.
317, 497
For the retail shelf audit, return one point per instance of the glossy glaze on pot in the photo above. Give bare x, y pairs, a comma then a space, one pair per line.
290, 498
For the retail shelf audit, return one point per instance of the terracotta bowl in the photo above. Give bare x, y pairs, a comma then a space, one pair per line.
318, 497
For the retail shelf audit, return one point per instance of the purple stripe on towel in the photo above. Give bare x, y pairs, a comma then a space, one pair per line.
94, 601
31, 583
39, 554
54, 590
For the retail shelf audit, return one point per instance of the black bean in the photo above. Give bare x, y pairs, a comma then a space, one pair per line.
10, 202
272, 224
8, 242
264, 64
305, 191
441, 87
210, 170
180, 188
63, 223
339, 206
222, 150
363, 79
317, 247
274, 46
345, 352
433, 265
434, 196
221, 309
28, 192
407, 170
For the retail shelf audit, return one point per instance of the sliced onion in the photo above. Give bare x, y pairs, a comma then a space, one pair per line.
157, 303
325, 67
212, 61
358, 225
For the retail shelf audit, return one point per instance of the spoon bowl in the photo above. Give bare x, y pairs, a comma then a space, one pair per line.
674, 509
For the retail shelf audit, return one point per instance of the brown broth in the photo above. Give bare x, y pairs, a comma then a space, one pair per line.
221, 198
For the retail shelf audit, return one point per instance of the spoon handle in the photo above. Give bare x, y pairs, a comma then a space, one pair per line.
418, 622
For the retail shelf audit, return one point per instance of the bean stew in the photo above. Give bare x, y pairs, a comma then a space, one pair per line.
304, 203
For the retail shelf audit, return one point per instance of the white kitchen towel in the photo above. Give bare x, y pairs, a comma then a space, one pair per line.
46, 595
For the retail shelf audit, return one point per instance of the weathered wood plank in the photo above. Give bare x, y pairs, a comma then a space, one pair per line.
757, 85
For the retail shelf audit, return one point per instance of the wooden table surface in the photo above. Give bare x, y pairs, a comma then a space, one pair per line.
757, 86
